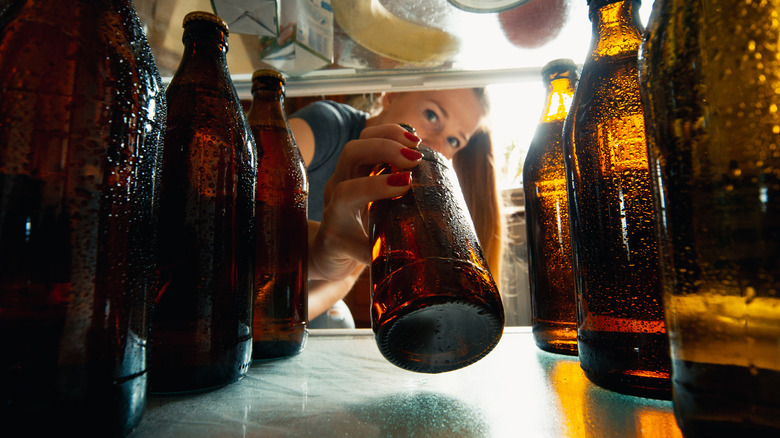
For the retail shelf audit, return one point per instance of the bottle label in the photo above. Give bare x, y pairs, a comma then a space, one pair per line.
623, 144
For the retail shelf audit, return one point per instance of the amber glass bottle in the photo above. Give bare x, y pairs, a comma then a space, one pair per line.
553, 312
82, 112
435, 306
710, 73
202, 325
281, 205
622, 340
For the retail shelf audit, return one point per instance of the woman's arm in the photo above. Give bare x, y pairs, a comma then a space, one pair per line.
304, 138
323, 294
340, 243
339, 248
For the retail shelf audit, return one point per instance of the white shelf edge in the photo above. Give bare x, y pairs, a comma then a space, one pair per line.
340, 82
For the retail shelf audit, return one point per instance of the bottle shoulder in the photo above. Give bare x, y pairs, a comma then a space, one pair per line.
207, 92
608, 85
203, 72
545, 154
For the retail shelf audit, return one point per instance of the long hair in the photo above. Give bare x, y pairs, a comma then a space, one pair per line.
476, 172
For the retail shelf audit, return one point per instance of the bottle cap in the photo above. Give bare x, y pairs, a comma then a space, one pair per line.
268, 73
408, 127
600, 3
205, 16
560, 65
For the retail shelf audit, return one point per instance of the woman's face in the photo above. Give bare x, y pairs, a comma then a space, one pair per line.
443, 119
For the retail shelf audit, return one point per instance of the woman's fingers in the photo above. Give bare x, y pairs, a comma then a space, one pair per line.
380, 144
358, 192
393, 132
361, 156
343, 239
341, 242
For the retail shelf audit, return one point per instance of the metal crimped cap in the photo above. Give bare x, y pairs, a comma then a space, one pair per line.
268, 73
601, 3
408, 127
561, 65
205, 16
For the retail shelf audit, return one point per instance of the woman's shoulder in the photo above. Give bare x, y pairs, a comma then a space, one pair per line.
332, 123
332, 110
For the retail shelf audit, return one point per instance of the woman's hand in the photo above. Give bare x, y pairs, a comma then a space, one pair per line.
340, 242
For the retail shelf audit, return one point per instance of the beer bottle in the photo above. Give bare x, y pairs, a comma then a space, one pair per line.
82, 112
435, 306
621, 335
709, 74
553, 313
202, 324
281, 226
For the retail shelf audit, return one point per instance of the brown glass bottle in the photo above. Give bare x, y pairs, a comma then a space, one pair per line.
82, 112
622, 340
202, 324
709, 73
281, 226
435, 306
553, 304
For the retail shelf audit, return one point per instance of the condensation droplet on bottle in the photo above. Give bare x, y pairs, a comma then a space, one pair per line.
750, 294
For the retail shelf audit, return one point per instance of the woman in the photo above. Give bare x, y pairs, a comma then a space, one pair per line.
451, 122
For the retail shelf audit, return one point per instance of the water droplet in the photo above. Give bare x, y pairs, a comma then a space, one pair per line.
750, 294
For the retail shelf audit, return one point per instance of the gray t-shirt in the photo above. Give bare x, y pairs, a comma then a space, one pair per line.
333, 124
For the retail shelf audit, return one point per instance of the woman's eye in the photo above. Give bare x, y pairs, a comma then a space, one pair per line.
431, 116
454, 142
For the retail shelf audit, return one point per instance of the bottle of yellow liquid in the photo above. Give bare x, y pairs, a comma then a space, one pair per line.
710, 75
554, 315
622, 340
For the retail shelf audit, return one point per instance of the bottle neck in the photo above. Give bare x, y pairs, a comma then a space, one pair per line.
560, 93
205, 39
617, 27
267, 103
268, 89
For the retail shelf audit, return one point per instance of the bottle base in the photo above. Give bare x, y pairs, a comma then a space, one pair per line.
556, 338
165, 378
288, 343
634, 364
101, 405
726, 400
439, 335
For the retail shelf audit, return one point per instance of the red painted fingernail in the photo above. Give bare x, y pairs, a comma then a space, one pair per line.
411, 154
411, 137
399, 179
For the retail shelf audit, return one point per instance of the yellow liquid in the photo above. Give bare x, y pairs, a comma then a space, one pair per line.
725, 330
